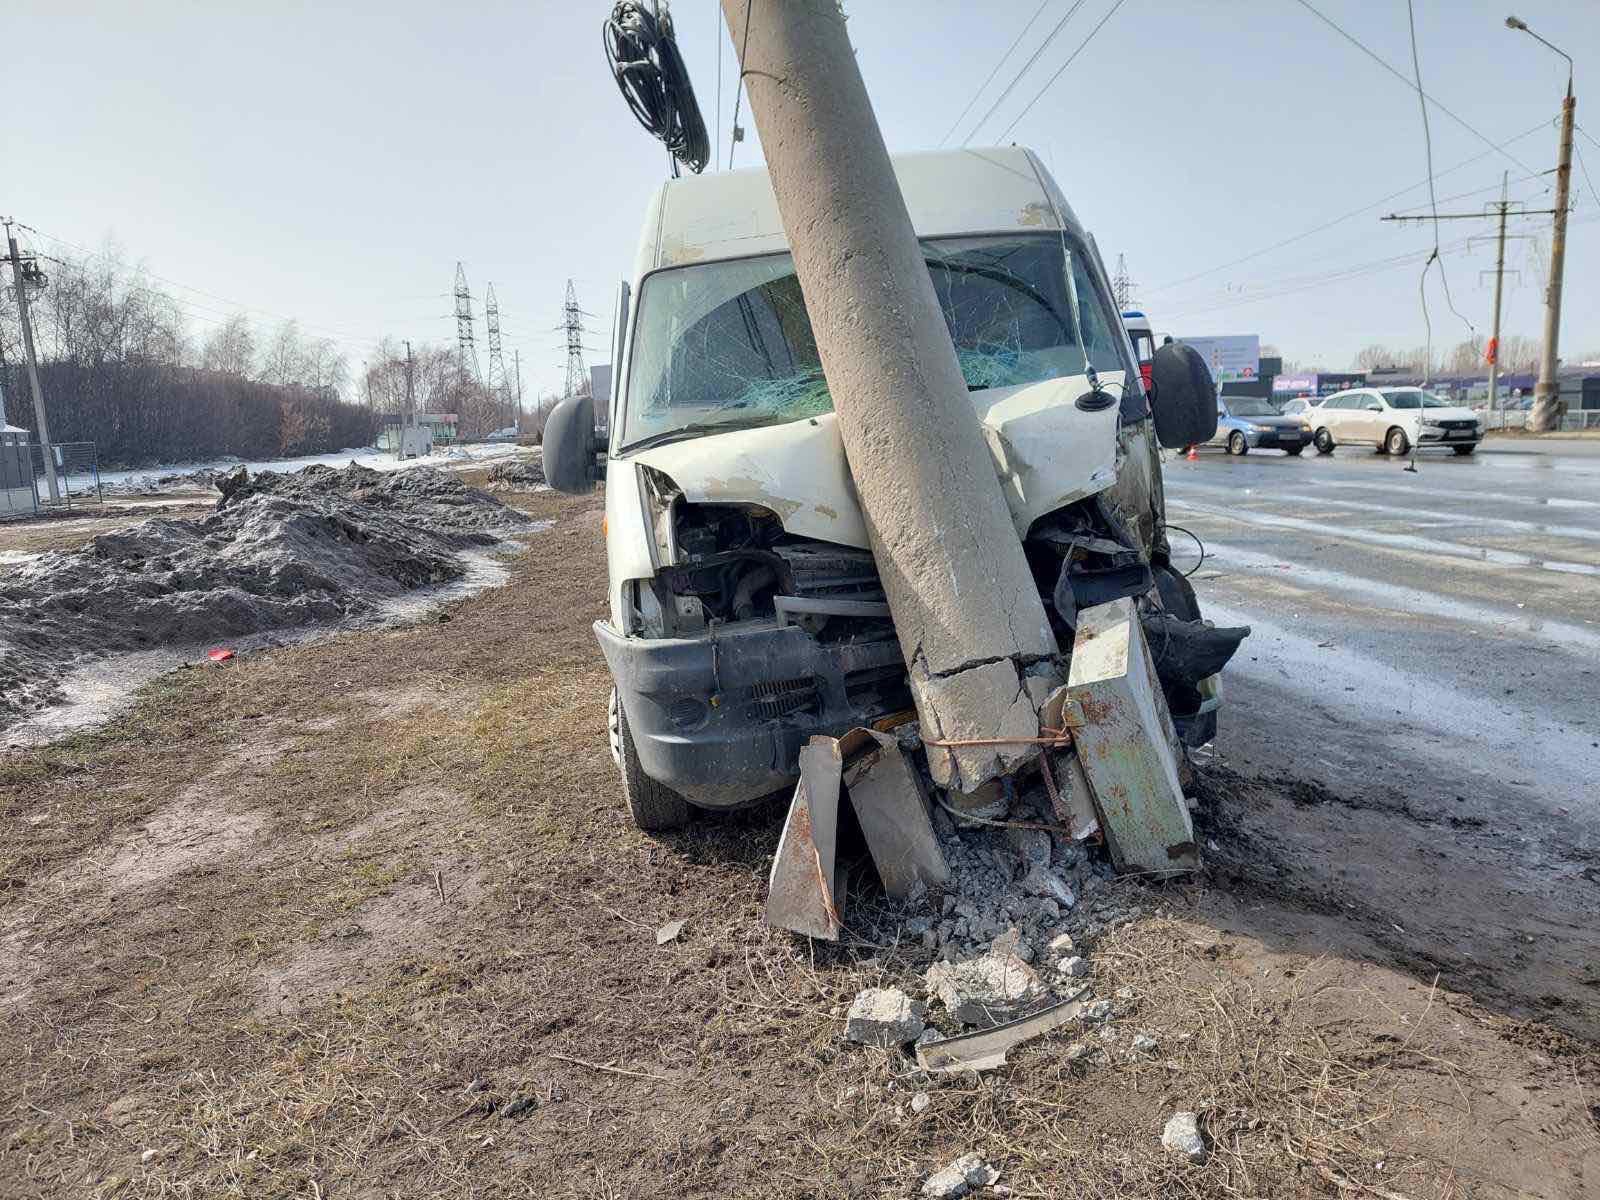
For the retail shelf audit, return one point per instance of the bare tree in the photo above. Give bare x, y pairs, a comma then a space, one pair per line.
231, 348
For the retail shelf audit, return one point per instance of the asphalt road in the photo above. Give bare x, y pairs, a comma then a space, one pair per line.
1425, 648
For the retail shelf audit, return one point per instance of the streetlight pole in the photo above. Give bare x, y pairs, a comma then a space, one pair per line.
1548, 407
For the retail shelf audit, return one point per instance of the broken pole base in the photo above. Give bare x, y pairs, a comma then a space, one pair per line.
1127, 745
892, 808
802, 893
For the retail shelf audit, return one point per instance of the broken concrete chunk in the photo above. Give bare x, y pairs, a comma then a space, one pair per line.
920, 1102
1042, 881
802, 894
886, 791
983, 991
1100, 1010
1011, 943
1143, 1043
960, 1177
1125, 744
884, 1017
1032, 846
1182, 1136
1075, 967
1060, 946
669, 932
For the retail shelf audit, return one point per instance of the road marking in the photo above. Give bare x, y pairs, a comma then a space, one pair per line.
1402, 541
1562, 634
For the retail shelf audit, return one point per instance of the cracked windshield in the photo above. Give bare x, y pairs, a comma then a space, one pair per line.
728, 345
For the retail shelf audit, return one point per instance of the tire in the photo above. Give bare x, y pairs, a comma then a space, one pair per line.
1463, 451
653, 807
1323, 440
1294, 451
1396, 443
1237, 445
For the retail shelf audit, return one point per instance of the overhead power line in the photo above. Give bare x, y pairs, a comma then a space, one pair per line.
1082, 46
1026, 67
1398, 74
982, 87
1339, 220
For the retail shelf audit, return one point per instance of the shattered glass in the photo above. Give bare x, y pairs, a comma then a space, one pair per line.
729, 344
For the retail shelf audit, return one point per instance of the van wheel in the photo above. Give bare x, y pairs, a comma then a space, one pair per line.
1397, 443
654, 807
1464, 450
1323, 441
1237, 444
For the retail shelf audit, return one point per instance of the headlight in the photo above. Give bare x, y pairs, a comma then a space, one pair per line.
1431, 422
1258, 428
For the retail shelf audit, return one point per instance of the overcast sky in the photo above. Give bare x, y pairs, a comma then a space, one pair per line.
332, 163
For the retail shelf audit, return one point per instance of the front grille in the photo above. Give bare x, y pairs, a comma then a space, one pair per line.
1458, 424
780, 697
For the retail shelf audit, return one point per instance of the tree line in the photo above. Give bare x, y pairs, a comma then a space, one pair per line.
122, 365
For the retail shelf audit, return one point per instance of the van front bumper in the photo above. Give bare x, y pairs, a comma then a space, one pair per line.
720, 718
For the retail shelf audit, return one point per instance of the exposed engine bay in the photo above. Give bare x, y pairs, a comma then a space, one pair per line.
725, 564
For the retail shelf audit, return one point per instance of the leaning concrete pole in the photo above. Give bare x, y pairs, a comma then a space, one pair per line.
973, 629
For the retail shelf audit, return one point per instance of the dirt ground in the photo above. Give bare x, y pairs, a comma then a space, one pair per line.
364, 918
72, 528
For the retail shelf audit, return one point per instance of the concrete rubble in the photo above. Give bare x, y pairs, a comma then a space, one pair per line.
984, 991
884, 1017
1182, 1136
966, 1174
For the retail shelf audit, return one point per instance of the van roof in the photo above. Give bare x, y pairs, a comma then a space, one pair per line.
733, 214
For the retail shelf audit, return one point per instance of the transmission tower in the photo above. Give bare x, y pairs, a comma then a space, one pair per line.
577, 374
469, 352
497, 367
1121, 286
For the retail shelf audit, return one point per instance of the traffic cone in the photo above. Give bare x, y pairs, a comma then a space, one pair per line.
1193, 455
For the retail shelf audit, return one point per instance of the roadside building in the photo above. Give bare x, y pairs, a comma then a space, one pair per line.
17, 495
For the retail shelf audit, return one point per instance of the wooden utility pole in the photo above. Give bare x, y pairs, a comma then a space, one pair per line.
18, 277
976, 639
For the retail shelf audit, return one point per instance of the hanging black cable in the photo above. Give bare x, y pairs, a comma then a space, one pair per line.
644, 59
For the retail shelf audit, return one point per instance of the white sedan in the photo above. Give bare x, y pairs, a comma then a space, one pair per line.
1393, 420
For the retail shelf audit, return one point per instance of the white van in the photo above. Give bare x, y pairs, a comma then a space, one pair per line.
746, 610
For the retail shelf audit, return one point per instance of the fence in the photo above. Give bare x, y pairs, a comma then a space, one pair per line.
77, 470
1575, 420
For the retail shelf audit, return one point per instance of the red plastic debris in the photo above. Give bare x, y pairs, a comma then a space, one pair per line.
220, 655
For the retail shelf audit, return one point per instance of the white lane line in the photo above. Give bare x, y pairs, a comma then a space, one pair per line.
1400, 541
1396, 510
1407, 713
1474, 497
1483, 618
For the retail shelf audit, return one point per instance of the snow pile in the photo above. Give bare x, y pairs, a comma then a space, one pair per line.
280, 551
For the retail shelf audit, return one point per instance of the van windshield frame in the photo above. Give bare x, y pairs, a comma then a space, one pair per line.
728, 344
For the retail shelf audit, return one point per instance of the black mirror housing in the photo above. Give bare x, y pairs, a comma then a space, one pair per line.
570, 446
1183, 400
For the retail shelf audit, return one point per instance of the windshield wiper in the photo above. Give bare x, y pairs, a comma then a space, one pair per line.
695, 429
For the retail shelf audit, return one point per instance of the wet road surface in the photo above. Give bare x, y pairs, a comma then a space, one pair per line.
1426, 652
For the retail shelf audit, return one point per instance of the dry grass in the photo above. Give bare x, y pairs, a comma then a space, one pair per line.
306, 1017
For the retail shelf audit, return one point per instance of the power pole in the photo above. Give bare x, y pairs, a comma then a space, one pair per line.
464, 344
22, 274
1499, 283
572, 324
497, 366
1548, 407
1122, 286
406, 413
972, 628
516, 357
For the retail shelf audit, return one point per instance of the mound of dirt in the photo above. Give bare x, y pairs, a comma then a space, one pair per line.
517, 475
282, 550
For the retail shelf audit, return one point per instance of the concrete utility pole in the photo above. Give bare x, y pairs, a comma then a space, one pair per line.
1548, 406
516, 358
33, 369
1499, 282
972, 627
405, 414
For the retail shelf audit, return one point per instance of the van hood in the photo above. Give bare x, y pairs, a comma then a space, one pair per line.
1047, 452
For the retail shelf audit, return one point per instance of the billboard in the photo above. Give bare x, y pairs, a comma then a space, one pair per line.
1232, 357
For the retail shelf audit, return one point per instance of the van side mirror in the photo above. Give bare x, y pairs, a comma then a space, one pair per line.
571, 447
1184, 400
